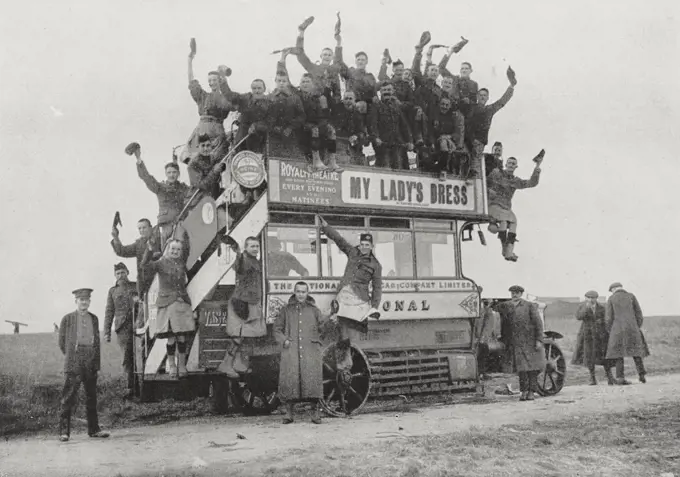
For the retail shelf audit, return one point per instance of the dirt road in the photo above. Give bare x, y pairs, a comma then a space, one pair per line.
185, 446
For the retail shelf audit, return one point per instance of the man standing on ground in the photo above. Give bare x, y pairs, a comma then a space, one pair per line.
120, 305
79, 342
591, 342
623, 316
522, 334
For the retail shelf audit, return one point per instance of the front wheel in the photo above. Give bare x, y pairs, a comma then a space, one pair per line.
345, 390
551, 379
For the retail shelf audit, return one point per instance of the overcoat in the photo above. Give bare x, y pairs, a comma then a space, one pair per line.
592, 338
300, 375
521, 328
623, 316
79, 360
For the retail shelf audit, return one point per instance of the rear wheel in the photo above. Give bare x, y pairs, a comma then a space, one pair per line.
345, 391
551, 379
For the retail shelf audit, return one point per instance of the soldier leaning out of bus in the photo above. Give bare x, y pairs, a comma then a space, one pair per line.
171, 194
501, 188
120, 313
522, 334
79, 342
244, 316
136, 249
389, 130
175, 320
299, 329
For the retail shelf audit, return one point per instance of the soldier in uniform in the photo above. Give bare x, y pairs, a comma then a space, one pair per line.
79, 342
299, 329
171, 194
135, 249
205, 166
244, 317
592, 339
522, 334
389, 130
357, 79
350, 128
623, 316
286, 113
120, 313
502, 185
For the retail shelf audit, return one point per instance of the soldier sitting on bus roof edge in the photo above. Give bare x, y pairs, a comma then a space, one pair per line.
502, 185
350, 128
120, 313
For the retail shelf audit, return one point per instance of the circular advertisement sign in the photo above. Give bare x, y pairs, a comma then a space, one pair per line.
247, 169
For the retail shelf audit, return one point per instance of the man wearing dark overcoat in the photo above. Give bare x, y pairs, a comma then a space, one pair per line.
120, 305
135, 249
299, 329
79, 342
244, 317
592, 338
623, 316
522, 334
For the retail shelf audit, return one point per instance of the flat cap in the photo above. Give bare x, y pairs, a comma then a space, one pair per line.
516, 288
591, 294
131, 148
615, 285
83, 292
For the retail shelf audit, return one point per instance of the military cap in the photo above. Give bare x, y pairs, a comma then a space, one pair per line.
615, 285
83, 292
516, 288
120, 266
366, 237
131, 148
203, 138
591, 294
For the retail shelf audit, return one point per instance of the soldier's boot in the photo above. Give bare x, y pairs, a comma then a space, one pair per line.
639, 365
227, 366
593, 381
533, 384
610, 376
503, 237
65, 428
510, 255
316, 413
317, 164
288, 418
333, 162
523, 396
171, 366
182, 365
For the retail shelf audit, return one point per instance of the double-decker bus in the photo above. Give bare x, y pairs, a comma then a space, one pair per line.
423, 341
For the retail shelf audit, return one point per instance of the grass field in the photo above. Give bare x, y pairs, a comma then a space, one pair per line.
31, 378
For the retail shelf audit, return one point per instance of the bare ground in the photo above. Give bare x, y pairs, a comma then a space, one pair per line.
482, 438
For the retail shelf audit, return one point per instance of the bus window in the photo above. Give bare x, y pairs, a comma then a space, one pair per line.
345, 221
394, 251
333, 260
291, 252
436, 255
389, 223
290, 219
433, 224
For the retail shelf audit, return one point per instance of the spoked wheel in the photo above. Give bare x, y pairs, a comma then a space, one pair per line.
345, 392
551, 379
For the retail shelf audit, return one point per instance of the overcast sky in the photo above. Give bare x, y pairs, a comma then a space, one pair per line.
598, 89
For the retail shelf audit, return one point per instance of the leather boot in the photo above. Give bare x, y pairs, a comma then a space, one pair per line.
316, 414
593, 381
332, 163
227, 366
182, 365
171, 366
288, 418
530, 396
317, 164
610, 377
512, 238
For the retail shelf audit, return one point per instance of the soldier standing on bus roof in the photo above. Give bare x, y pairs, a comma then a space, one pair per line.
389, 130
299, 329
244, 317
522, 334
135, 249
79, 342
623, 316
592, 338
501, 188
120, 312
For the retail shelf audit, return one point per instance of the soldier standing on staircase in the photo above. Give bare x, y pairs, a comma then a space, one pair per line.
135, 249
175, 320
244, 316
120, 305
502, 185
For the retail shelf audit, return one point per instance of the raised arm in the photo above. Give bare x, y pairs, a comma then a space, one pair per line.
531, 182
339, 240
337, 59
415, 67
302, 57
503, 100
125, 251
152, 184
281, 67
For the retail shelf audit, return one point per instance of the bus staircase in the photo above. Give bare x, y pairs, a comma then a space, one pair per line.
210, 258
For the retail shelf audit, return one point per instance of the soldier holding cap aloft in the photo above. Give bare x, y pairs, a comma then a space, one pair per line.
522, 334
591, 342
79, 342
120, 304
623, 317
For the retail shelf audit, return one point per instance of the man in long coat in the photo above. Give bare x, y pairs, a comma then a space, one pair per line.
522, 334
592, 339
79, 342
120, 307
623, 316
299, 329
